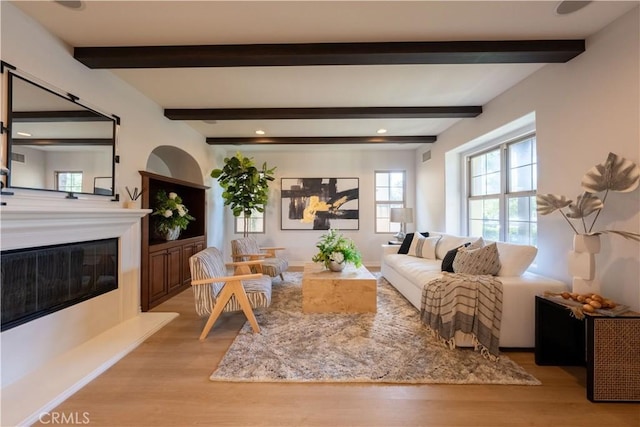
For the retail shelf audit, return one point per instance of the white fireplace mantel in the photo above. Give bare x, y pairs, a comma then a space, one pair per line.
32, 226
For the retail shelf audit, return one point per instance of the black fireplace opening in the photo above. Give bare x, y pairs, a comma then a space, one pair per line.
39, 281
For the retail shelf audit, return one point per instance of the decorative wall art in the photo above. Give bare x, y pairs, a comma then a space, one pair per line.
320, 203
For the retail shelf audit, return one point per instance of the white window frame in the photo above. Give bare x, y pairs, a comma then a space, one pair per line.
57, 180
393, 228
238, 223
504, 195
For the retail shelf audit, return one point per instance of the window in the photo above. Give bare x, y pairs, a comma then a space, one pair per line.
69, 181
390, 193
502, 192
255, 223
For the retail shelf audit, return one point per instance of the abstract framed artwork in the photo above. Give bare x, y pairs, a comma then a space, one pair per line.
320, 203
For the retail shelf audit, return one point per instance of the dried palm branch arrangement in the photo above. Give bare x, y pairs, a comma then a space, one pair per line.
615, 174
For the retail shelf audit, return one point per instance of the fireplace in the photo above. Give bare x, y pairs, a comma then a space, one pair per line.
42, 280
71, 347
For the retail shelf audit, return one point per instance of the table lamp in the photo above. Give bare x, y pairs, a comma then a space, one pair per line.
403, 216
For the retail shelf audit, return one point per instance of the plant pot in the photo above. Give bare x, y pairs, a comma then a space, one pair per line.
336, 266
172, 234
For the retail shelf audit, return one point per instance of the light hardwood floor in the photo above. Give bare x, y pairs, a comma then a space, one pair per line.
164, 382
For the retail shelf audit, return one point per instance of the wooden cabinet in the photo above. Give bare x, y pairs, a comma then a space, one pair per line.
165, 264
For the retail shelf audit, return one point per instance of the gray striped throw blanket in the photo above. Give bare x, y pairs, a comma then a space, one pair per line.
467, 303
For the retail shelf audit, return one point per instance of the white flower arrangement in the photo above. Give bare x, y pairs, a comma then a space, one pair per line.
171, 212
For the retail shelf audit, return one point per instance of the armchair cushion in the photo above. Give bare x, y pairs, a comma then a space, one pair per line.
247, 247
208, 264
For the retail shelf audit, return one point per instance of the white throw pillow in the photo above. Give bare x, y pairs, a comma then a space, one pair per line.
515, 259
475, 245
485, 260
423, 247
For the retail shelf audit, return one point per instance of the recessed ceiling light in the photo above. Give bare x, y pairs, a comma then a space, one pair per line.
259, 132
569, 6
381, 131
23, 133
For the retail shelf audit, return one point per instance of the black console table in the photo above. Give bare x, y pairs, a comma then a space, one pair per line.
609, 347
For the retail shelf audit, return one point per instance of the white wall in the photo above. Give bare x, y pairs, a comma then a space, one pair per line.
584, 109
328, 163
32, 171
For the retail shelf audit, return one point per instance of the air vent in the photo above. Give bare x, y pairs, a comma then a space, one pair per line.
426, 156
17, 157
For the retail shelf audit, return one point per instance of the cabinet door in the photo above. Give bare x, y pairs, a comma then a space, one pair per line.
187, 252
174, 268
157, 275
560, 337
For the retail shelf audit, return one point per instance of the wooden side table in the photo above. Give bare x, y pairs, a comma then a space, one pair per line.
609, 347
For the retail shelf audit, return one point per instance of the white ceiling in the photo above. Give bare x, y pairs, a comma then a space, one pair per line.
139, 23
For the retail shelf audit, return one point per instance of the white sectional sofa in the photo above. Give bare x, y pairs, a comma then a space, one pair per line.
408, 274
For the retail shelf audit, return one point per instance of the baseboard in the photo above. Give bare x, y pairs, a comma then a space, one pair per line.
41, 391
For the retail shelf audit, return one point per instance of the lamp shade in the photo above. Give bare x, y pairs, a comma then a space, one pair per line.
403, 215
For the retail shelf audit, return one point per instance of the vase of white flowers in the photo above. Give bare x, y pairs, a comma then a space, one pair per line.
172, 216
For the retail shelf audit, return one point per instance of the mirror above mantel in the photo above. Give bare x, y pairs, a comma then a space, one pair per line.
57, 144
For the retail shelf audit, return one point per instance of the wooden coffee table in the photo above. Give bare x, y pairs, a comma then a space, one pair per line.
353, 290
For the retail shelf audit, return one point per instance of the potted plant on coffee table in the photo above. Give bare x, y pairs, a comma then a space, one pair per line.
335, 251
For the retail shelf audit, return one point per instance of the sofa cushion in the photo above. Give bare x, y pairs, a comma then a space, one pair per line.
448, 242
485, 260
406, 243
515, 259
416, 270
423, 247
447, 261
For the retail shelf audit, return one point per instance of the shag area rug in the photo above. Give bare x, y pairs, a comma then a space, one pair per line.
390, 346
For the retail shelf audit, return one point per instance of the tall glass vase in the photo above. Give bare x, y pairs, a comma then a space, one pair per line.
582, 263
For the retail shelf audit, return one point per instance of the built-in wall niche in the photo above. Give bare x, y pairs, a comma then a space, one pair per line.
39, 281
55, 143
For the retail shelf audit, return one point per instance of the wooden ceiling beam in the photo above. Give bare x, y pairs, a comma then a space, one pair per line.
303, 54
322, 113
324, 140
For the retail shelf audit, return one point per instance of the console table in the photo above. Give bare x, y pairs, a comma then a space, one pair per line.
609, 347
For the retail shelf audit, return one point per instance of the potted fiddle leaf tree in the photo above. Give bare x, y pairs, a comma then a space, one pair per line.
245, 186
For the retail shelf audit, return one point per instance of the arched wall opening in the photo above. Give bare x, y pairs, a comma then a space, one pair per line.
174, 162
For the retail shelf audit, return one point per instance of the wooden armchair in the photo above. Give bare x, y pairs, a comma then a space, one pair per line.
215, 291
247, 248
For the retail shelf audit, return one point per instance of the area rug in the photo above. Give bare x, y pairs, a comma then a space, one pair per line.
390, 346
